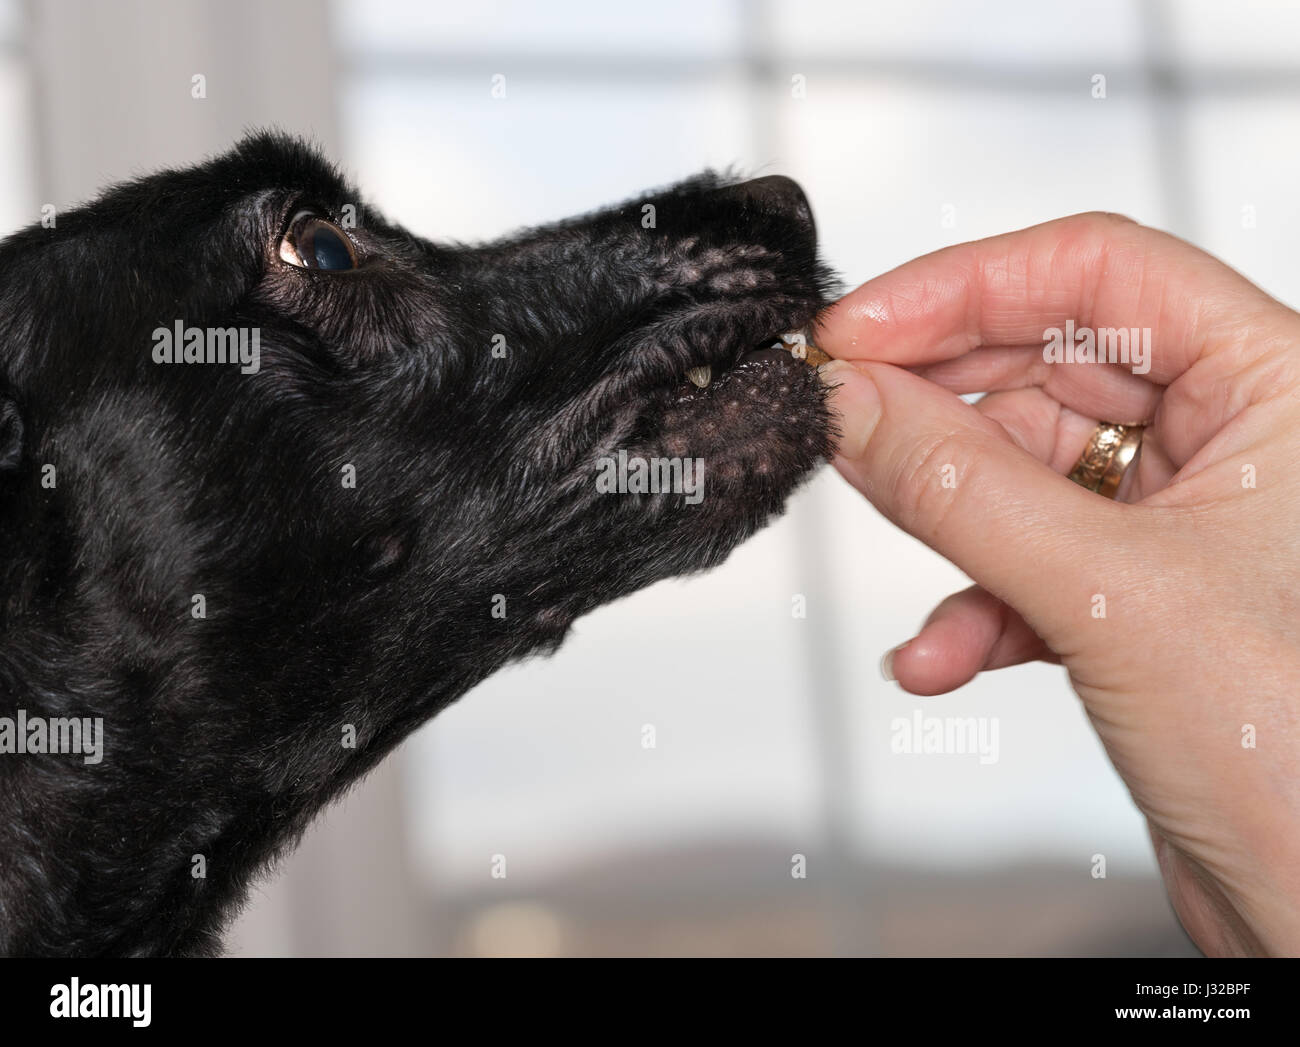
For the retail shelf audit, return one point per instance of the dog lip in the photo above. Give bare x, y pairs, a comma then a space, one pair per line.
771, 352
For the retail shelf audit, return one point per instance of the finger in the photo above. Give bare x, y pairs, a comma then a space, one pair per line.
969, 632
1058, 437
950, 477
1053, 434
1098, 270
1112, 393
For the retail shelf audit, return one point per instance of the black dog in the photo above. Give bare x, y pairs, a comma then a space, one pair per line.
260, 575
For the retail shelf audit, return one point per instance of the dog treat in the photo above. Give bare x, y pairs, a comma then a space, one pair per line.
802, 349
813, 356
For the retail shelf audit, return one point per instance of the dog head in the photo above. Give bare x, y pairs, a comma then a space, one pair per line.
416, 462
411, 424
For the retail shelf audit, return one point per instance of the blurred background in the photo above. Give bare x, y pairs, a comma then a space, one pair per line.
658, 786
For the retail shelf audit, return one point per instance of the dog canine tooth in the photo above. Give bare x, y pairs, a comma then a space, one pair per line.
700, 376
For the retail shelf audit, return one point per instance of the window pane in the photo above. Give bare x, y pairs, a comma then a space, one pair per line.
445, 157
894, 174
935, 31
1246, 156
1241, 34
668, 28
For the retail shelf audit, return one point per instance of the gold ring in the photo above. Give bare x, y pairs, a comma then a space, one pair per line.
1104, 461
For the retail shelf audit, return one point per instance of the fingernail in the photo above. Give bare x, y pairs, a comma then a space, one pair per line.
887, 662
856, 404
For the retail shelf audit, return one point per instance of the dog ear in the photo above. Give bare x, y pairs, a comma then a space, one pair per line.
11, 434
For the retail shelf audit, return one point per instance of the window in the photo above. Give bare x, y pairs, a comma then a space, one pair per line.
911, 125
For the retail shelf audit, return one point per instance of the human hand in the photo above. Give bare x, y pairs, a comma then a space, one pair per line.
1192, 676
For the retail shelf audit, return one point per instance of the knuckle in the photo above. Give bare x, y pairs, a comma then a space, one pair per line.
1101, 222
1093, 233
933, 480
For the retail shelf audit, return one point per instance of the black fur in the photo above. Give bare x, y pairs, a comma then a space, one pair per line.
328, 605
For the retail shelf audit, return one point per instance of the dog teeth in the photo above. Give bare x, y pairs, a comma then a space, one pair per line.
700, 376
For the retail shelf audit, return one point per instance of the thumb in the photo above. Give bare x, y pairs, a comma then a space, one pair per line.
943, 472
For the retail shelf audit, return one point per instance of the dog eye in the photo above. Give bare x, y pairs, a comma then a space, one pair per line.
314, 243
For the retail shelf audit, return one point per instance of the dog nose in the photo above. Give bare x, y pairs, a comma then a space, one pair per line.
779, 194
778, 191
